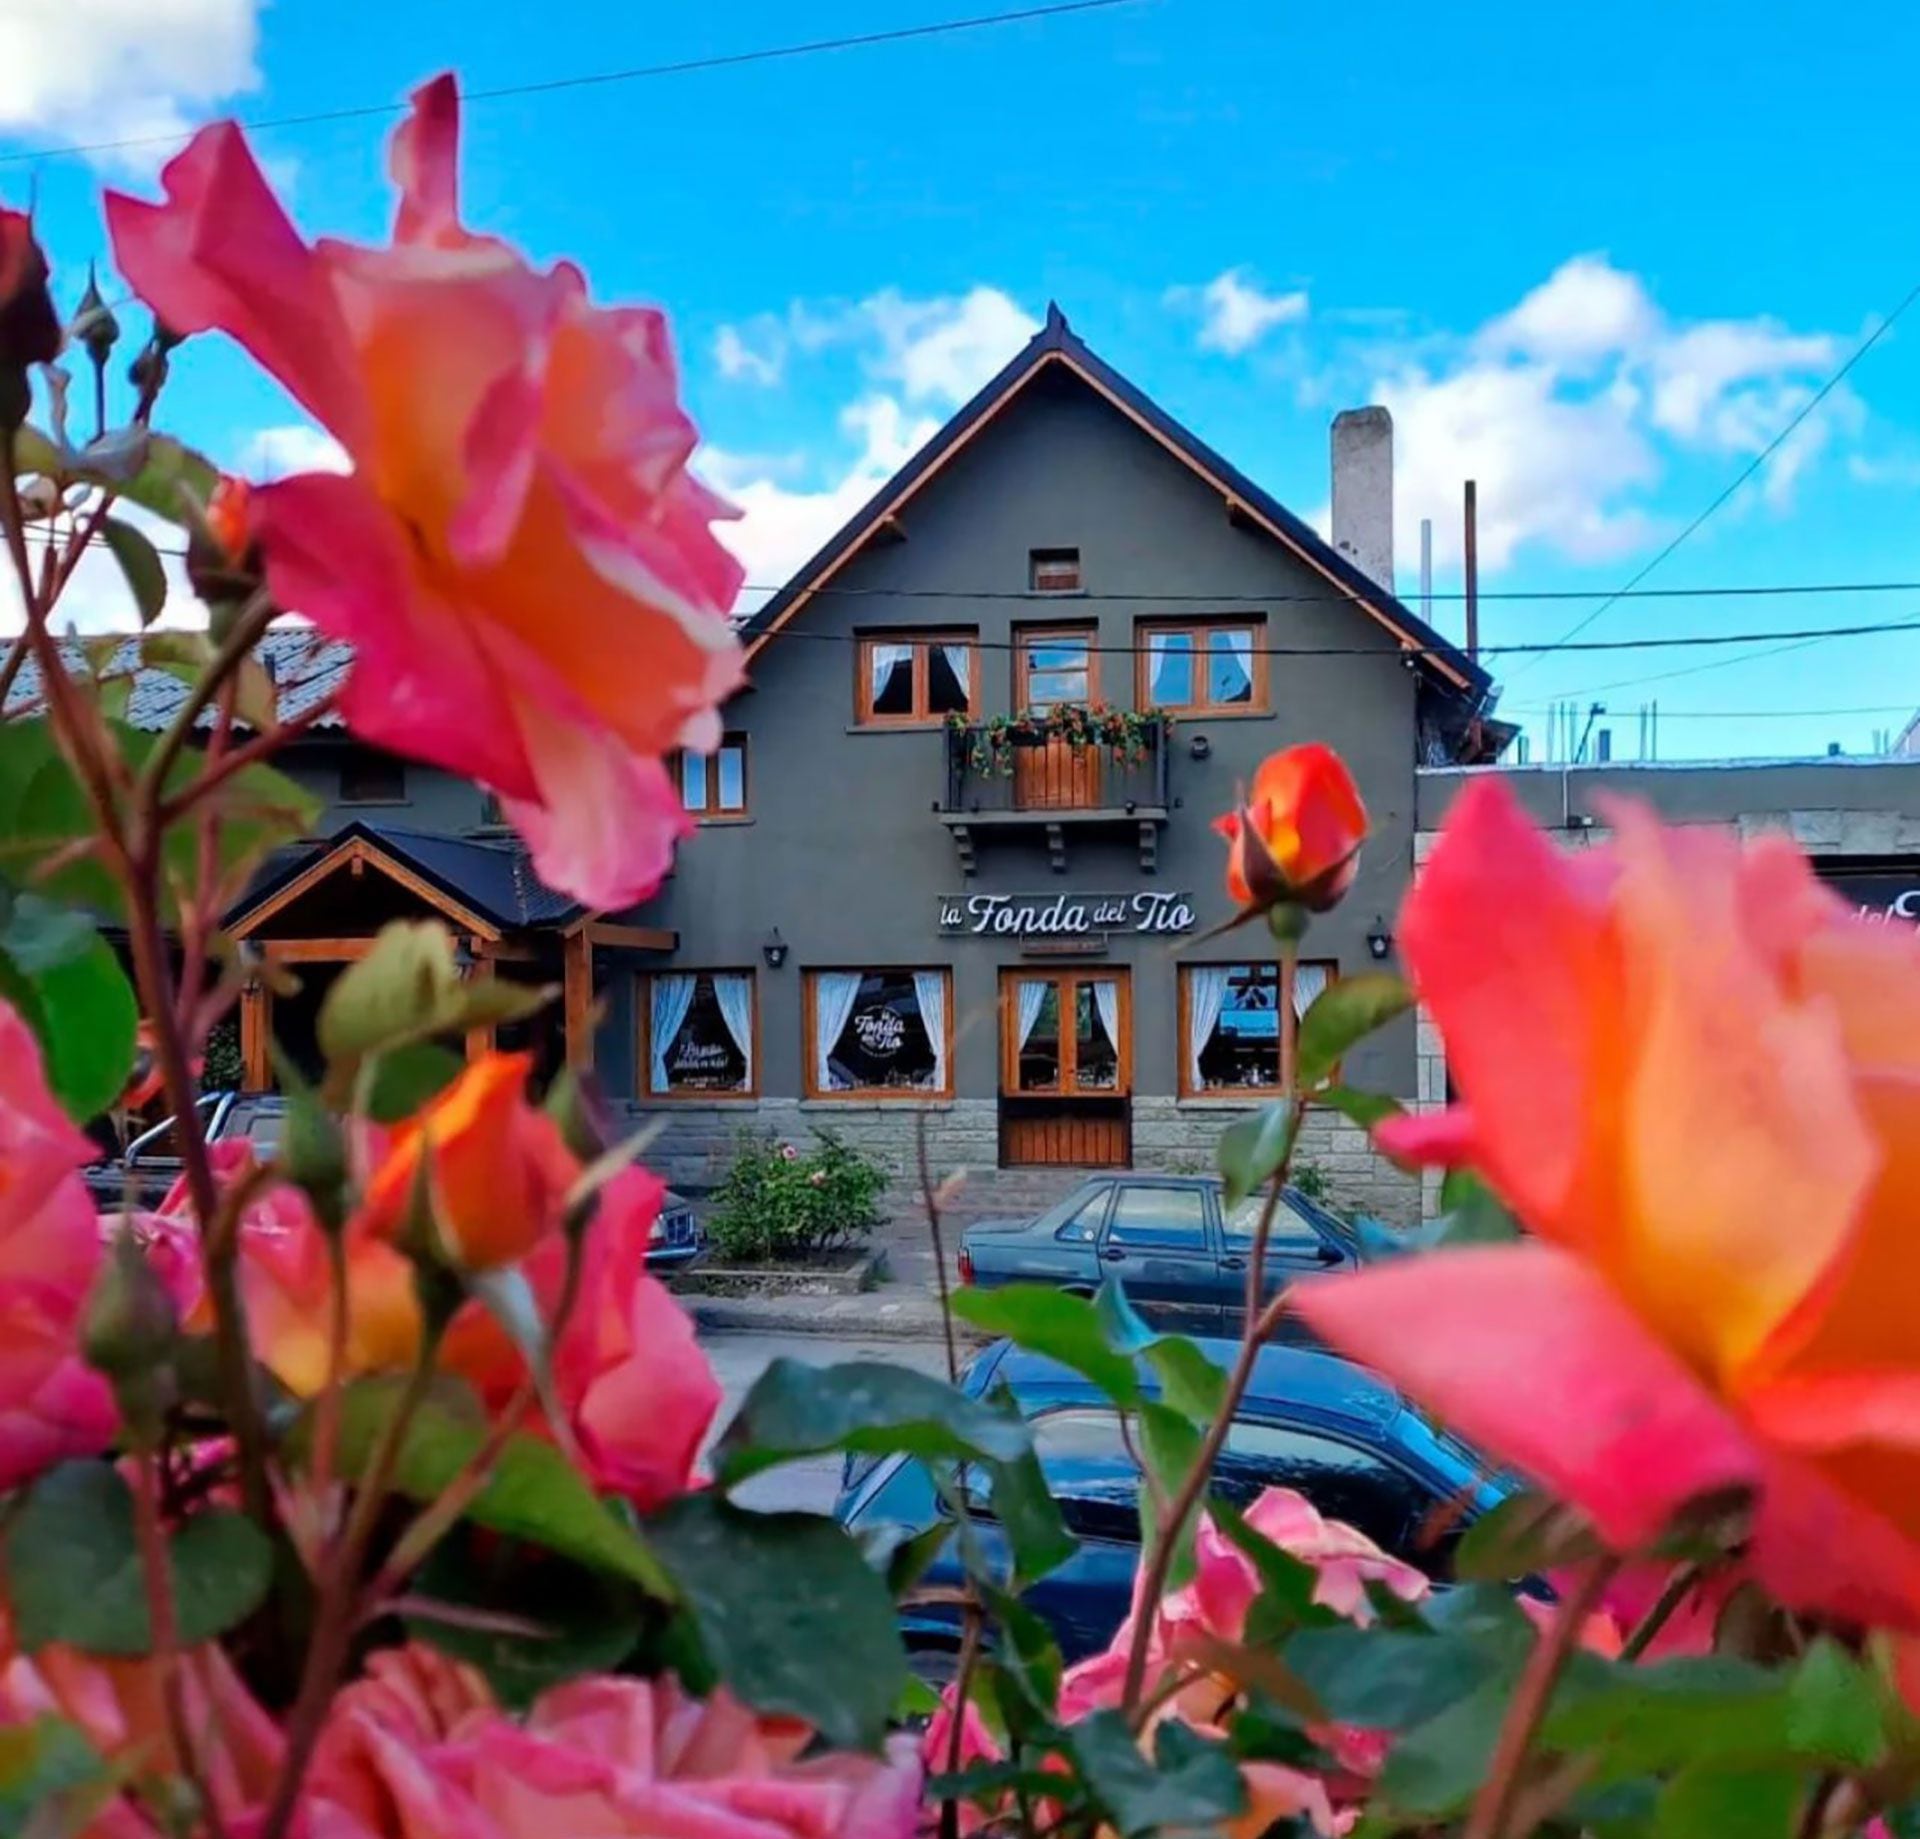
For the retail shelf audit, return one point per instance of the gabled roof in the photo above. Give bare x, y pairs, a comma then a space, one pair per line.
1055, 344
473, 878
304, 665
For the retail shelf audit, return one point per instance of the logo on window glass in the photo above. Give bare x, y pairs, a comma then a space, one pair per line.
880, 1032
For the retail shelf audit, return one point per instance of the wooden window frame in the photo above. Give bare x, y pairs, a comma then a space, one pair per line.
643, 1027
1038, 558
718, 814
1183, 1008
1026, 637
1145, 630
870, 1095
922, 640
1068, 982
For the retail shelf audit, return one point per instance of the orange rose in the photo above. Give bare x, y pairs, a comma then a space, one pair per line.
1694, 1073
1297, 842
499, 1170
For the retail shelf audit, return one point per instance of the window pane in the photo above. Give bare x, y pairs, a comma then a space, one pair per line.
1292, 1229
1057, 671
1082, 1225
1096, 1053
1244, 1048
693, 781
1039, 1067
949, 672
1170, 668
703, 1055
890, 679
1174, 1219
1344, 1482
1230, 665
884, 1044
730, 770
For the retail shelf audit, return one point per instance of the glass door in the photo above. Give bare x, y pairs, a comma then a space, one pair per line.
1065, 1034
1055, 667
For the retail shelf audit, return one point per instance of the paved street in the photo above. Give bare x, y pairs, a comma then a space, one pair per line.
739, 1359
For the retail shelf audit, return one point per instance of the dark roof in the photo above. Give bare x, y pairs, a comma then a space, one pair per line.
1056, 340
495, 879
303, 664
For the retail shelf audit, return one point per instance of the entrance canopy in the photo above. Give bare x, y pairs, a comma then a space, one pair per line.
321, 904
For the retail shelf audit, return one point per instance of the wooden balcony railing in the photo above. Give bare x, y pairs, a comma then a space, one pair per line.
1007, 769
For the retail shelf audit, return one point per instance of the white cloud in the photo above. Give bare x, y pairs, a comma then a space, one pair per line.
741, 362
81, 71
1235, 312
96, 597
273, 453
922, 359
1568, 409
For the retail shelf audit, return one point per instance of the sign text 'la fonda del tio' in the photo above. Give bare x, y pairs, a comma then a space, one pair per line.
1056, 916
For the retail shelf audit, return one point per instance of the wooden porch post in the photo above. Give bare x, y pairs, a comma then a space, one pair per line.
256, 1030
480, 1041
577, 990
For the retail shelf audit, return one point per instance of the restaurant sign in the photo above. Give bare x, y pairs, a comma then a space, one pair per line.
1891, 896
1055, 916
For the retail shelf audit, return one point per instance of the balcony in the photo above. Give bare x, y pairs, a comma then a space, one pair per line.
1062, 775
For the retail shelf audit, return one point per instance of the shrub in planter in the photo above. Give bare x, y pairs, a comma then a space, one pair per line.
783, 1204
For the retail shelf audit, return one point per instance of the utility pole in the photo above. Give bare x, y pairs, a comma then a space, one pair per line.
1426, 569
1473, 570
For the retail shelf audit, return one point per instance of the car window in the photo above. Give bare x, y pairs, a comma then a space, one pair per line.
262, 1130
1082, 1225
1293, 1228
1160, 1218
162, 1142
1088, 1471
1070, 1204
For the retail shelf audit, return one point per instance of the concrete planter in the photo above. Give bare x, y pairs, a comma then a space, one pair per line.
843, 1273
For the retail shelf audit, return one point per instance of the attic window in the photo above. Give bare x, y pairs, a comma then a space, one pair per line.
372, 779
1053, 571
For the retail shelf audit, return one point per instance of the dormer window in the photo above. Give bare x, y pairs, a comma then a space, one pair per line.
1053, 571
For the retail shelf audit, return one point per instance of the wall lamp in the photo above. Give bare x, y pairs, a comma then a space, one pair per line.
1379, 940
1200, 747
774, 949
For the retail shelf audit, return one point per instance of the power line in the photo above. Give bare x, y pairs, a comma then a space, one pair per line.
1758, 715
683, 67
1759, 460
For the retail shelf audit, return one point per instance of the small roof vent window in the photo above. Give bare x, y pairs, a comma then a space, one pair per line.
1053, 571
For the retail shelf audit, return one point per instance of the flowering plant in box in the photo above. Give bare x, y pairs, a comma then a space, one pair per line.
375, 1495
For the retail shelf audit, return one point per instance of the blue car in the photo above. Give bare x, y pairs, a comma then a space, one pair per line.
1310, 1421
1171, 1240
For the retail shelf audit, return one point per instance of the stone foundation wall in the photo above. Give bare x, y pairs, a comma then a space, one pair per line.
697, 1142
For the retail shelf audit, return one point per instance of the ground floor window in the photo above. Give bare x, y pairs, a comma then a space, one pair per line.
697, 1034
1231, 1024
878, 1033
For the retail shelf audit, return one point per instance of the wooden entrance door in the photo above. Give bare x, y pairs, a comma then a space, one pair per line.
1055, 665
1066, 1067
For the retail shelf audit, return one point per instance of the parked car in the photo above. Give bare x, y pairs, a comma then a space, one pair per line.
149, 1177
1178, 1251
1310, 1420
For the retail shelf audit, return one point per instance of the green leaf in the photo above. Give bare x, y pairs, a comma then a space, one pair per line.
407, 990
1704, 1802
1363, 1108
1833, 1710
791, 1615
1189, 1381
1189, 1785
74, 1574
86, 1016
1345, 1012
49, 1778
1287, 1583
1436, 1767
1047, 1321
140, 563
587, 1621
1526, 1533
1023, 1503
1472, 1214
1169, 1446
1252, 1150
868, 1407
170, 467
535, 1493
406, 1078
909, 1556
40, 933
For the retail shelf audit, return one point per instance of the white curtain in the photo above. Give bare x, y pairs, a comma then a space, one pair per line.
930, 992
960, 661
1163, 648
1031, 995
669, 997
1240, 643
1308, 981
885, 657
1206, 997
733, 991
834, 994
1106, 1005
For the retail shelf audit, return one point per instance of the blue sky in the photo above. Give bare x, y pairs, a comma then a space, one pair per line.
1595, 262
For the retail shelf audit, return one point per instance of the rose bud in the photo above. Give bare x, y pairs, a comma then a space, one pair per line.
223, 557
29, 327
1296, 842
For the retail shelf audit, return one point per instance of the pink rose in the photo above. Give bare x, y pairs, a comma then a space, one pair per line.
52, 1405
418, 1750
638, 1392
519, 557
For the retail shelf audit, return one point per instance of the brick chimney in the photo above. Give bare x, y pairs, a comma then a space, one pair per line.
1363, 491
